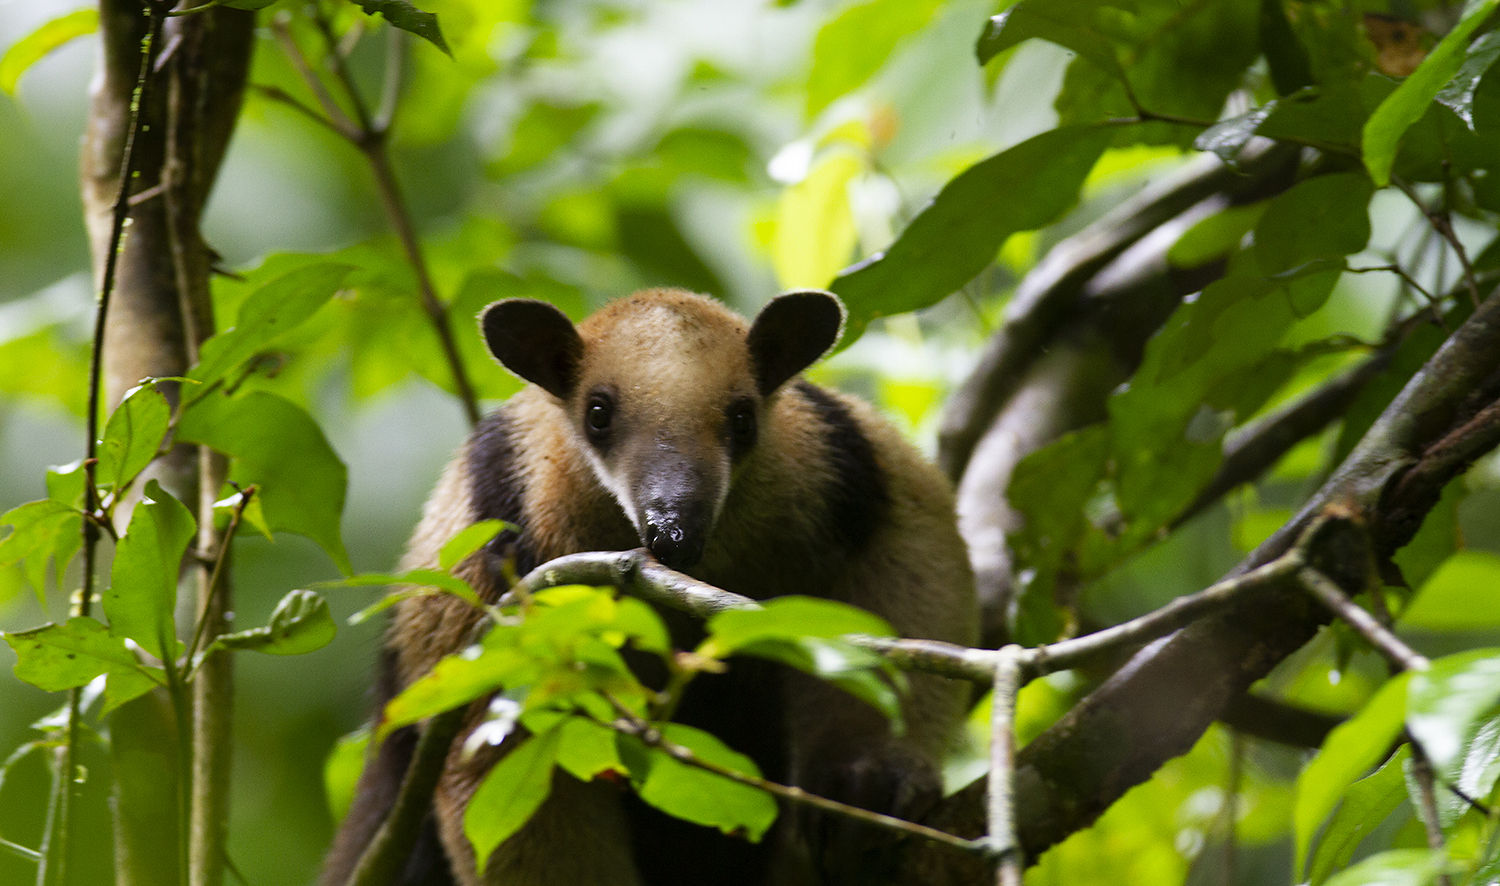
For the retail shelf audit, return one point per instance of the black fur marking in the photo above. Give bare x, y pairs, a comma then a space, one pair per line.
859, 499
497, 492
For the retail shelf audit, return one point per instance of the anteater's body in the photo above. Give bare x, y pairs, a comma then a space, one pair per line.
666, 420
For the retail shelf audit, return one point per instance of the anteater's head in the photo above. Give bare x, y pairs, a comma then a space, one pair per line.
666, 392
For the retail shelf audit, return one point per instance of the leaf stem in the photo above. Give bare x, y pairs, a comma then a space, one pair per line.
629, 724
53, 866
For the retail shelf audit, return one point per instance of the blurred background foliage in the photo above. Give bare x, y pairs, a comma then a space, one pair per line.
575, 150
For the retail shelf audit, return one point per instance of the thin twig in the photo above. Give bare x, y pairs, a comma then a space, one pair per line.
53, 866
1427, 809
628, 723
277, 94
336, 117
1388, 644
220, 556
1004, 845
1443, 225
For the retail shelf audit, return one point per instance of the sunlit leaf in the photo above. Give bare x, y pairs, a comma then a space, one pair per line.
1405, 106
1064, 22
1396, 867
1447, 702
300, 623
456, 680
1364, 806
956, 235
815, 233
267, 314
34, 46
133, 435
56, 657
143, 581
40, 531
693, 794
857, 43
1459, 596
466, 542
1347, 754
342, 768
510, 793
278, 447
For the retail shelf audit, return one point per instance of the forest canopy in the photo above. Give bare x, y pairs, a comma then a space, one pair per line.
1193, 302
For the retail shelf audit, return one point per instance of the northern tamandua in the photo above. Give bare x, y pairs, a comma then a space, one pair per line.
665, 420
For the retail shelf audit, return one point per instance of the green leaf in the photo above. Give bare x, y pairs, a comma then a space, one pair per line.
341, 771
56, 657
30, 49
1215, 237
1459, 596
955, 236
511, 792
266, 314
1458, 95
857, 43
469, 540
1322, 217
133, 435
456, 680
1405, 106
586, 749
408, 18
300, 623
41, 531
1347, 754
791, 618
815, 233
1285, 55
143, 581
248, 4
1064, 22
1447, 703
280, 449
1396, 867
694, 794
1366, 804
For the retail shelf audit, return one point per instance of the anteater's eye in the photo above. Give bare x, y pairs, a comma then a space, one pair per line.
741, 427
597, 416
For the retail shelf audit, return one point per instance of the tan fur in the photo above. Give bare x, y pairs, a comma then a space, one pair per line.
684, 357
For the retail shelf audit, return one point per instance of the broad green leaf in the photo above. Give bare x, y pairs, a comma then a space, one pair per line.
587, 748
791, 618
1396, 867
956, 235
1051, 486
133, 435
457, 679
1364, 806
815, 233
511, 792
416, 583
1447, 703
121, 686
341, 770
65, 483
1322, 217
696, 795
1347, 754
1064, 22
268, 313
34, 46
407, 17
279, 448
1459, 596
1477, 774
248, 4
1287, 58
40, 531
1216, 236
300, 623
56, 657
143, 580
1458, 95
1405, 106
857, 43
469, 540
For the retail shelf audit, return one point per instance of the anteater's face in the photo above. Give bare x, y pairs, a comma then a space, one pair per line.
665, 392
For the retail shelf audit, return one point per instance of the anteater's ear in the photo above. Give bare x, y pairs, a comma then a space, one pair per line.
535, 341
791, 332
